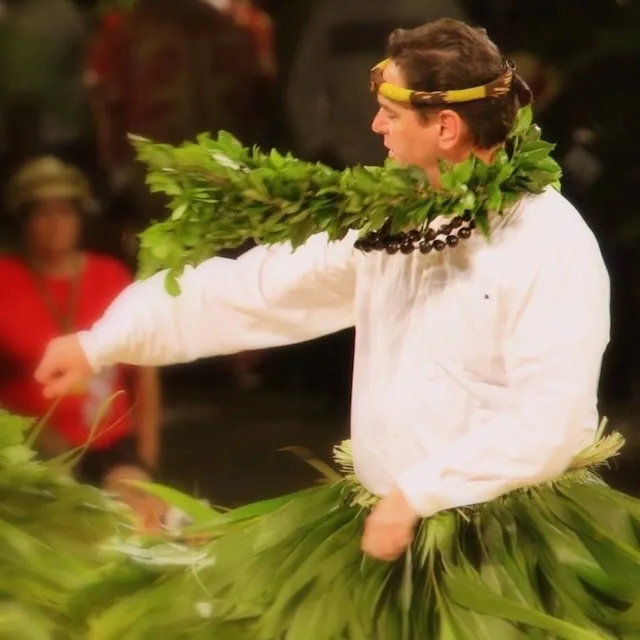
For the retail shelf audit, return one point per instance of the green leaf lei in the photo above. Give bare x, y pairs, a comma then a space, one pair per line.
222, 193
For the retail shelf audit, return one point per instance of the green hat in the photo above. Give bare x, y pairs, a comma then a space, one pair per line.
46, 178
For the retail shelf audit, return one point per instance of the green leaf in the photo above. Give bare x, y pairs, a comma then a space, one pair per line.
536, 146
406, 595
523, 121
505, 172
463, 171
197, 510
494, 200
276, 159
449, 180
363, 180
171, 284
468, 202
471, 595
179, 211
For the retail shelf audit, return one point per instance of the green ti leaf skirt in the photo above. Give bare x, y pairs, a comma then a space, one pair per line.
555, 561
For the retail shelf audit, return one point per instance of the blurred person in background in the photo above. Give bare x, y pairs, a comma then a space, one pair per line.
329, 106
42, 98
168, 71
259, 24
51, 287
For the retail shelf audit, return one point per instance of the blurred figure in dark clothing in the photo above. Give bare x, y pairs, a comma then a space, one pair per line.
168, 71
329, 104
42, 103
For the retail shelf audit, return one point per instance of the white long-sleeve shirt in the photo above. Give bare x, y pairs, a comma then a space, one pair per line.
476, 369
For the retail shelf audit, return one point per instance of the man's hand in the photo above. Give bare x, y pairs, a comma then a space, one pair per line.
64, 367
390, 528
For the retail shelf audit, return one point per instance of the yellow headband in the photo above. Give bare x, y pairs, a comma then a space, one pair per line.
498, 87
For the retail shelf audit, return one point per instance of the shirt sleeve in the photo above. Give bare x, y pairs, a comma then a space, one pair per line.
268, 297
555, 340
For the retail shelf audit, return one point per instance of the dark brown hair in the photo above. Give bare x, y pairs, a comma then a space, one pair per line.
448, 54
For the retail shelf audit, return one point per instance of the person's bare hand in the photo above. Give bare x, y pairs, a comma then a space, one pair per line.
390, 528
149, 510
63, 368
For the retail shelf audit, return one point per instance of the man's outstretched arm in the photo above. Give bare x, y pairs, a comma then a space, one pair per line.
266, 298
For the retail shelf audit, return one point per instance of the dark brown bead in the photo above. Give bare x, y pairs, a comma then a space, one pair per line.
358, 244
407, 247
472, 224
444, 229
392, 247
425, 247
430, 235
467, 216
456, 222
379, 245
438, 245
464, 233
414, 235
452, 241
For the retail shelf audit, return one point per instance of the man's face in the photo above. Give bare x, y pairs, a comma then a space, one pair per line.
53, 227
410, 139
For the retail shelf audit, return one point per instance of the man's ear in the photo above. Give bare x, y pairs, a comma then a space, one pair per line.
451, 129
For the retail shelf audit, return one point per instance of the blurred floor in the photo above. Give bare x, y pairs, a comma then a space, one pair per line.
225, 444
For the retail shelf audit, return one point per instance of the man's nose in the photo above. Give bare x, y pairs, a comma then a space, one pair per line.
377, 125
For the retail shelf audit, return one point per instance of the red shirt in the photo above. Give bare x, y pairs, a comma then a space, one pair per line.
28, 323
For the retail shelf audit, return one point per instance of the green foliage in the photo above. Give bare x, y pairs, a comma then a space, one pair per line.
51, 535
558, 560
221, 193
196, 510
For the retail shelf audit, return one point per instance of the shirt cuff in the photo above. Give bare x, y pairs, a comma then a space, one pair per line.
93, 350
417, 488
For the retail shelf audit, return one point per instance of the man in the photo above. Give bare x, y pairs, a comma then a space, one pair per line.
476, 367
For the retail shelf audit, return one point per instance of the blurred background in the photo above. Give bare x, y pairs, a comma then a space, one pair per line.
75, 76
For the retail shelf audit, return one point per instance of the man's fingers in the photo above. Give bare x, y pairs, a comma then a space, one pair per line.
47, 367
385, 553
386, 543
60, 385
